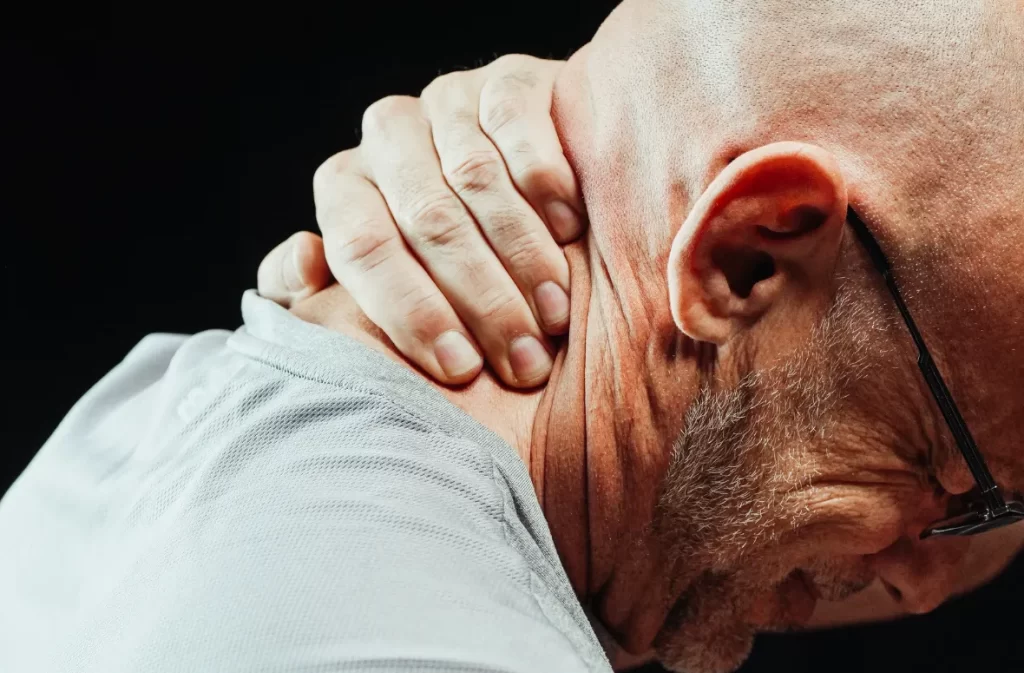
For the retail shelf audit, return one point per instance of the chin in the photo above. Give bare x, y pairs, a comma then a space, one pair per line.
724, 653
712, 627
704, 632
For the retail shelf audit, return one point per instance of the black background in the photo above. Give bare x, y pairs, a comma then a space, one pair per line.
150, 161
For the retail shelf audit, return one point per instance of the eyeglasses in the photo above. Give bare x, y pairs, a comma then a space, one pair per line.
985, 507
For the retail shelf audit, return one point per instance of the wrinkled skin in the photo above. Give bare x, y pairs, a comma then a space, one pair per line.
832, 457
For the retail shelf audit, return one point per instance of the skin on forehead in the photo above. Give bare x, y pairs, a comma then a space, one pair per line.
922, 104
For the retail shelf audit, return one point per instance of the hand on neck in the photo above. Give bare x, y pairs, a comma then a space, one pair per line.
597, 438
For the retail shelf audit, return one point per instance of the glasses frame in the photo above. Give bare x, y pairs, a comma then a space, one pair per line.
986, 509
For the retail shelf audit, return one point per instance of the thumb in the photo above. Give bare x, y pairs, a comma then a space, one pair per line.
294, 270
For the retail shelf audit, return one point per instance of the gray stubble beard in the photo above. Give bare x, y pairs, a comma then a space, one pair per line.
725, 493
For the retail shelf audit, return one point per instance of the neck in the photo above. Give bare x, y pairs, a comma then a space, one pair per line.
591, 440
597, 438
616, 401
601, 442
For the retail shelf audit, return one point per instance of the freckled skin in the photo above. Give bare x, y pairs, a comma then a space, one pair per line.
911, 113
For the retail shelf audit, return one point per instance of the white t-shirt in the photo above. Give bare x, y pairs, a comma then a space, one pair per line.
279, 499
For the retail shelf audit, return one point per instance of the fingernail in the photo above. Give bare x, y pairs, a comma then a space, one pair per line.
563, 220
552, 303
455, 354
530, 360
292, 263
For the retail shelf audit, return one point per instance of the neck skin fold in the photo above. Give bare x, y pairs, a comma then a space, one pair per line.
602, 439
590, 439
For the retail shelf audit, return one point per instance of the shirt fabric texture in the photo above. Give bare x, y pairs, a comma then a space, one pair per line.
280, 498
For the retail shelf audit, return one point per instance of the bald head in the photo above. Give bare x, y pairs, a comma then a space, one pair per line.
923, 100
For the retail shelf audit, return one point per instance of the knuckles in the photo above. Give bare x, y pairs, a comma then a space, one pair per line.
378, 116
434, 220
326, 173
477, 172
363, 247
423, 317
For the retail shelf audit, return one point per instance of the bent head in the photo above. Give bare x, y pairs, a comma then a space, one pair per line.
723, 142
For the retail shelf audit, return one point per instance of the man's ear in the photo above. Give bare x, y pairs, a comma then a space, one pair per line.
765, 233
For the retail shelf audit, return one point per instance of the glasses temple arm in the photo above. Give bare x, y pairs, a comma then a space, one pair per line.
937, 386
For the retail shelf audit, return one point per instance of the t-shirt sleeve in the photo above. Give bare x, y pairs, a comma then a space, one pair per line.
264, 522
333, 548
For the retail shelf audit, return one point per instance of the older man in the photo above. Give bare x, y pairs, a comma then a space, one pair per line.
716, 447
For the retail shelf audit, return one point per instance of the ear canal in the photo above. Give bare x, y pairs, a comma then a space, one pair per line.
746, 267
743, 268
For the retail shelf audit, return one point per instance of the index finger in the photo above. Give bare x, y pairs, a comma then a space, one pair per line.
369, 258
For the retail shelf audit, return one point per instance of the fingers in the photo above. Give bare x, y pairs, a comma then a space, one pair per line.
476, 173
463, 250
398, 148
515, 113
294, 270
369, 258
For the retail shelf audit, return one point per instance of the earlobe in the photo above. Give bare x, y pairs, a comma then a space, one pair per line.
763, 236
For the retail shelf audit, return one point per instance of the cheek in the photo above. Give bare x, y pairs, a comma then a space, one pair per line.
953, 475
855, 520
835, 579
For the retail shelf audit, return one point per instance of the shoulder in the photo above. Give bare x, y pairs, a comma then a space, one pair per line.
291, 500
347, 528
